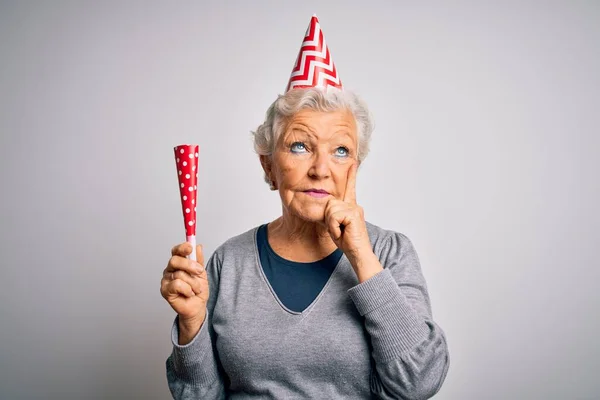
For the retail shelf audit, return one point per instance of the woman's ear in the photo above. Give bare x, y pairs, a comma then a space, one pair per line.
266, 163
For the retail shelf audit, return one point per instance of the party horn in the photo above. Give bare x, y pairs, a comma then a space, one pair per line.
186, 160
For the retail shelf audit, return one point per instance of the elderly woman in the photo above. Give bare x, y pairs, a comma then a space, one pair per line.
317, 304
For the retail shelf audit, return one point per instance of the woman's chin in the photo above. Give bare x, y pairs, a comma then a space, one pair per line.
313, 213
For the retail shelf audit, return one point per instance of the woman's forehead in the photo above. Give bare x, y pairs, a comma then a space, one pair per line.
318, 123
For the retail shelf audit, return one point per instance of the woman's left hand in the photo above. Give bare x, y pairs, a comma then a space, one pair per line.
352, 238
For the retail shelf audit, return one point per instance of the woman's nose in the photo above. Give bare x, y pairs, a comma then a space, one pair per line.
320, 165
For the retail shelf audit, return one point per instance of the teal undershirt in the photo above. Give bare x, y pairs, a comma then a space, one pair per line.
296, 284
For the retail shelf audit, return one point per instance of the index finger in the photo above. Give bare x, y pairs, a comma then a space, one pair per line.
183, 249
350, 194
183, 264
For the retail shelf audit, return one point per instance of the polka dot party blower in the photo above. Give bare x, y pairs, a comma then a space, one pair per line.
186, 160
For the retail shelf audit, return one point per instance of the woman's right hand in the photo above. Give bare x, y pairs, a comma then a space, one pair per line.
185, 286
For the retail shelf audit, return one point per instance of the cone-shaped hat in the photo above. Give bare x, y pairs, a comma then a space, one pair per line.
314, 66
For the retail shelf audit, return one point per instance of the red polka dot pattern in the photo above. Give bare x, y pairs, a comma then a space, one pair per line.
186, 159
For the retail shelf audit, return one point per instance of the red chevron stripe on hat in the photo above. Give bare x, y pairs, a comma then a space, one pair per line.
314, 66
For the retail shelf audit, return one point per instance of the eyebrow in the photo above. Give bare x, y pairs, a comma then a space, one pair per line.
345, 132
309, 132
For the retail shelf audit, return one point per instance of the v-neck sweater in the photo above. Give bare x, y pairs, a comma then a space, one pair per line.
294, 284
375, 339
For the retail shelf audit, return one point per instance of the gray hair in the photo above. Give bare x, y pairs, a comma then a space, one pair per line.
267, 134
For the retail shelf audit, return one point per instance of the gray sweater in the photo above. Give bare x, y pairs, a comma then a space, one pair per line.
375, 339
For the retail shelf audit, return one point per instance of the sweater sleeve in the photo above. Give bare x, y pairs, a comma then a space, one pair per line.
194, 370
409, 349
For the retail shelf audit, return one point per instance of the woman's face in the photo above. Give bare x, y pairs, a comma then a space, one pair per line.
315, 151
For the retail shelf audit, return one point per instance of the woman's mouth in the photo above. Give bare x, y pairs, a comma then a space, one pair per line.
313, 193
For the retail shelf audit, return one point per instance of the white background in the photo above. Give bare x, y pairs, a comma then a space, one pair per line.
485, 154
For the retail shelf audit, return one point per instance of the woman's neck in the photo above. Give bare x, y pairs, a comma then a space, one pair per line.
298, 236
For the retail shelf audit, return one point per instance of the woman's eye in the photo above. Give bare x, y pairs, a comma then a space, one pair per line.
344, 149
297, 145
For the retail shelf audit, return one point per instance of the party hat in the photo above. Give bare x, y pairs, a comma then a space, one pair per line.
314, 66
186, 160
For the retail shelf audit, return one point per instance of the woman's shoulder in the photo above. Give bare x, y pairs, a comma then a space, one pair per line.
239, 244
382, 237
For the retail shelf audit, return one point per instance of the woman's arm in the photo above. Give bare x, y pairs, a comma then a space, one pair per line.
409, 349
193, 369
